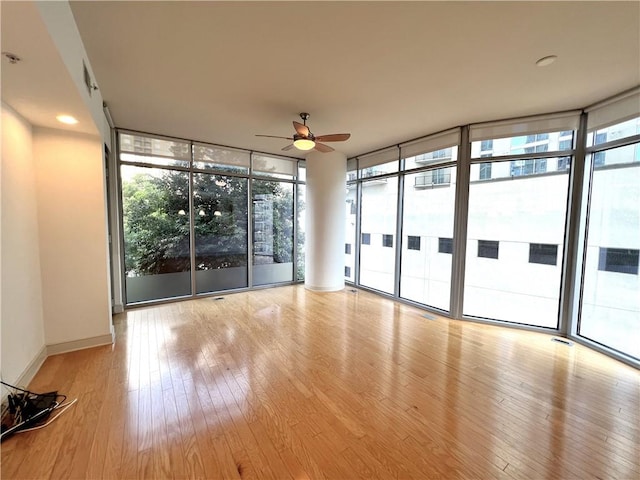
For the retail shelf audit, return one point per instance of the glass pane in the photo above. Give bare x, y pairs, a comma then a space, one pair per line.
154, 151
274, 166
428, 218
610, 312
377, 262
381, 169
207, 157
518, 168
540, 142
155, 205
614, 132
431, 158
526, 217
220, 207
617, 156
351, 209
302, 171
272, 232
352, 170
302, 212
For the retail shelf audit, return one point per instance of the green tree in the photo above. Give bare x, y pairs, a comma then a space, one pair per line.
156, 220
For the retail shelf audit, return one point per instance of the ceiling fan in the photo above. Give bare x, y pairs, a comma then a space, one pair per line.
304, 140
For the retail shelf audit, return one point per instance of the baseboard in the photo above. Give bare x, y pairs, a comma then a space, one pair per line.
335, 288
74, 345
31, 370
27, 375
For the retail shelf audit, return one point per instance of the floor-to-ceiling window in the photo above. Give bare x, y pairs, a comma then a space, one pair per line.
378, 212
516, 222
427, 222
187, 219
220, 218
273, 220
610, 306
156, 218
351, 222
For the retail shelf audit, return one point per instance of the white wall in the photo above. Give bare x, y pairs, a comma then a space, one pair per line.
73, 237
21, 319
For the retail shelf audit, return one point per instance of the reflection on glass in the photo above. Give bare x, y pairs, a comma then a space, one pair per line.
155, 204
272, 232
431, 158
220, 204
428, 216
352, 170
614, 132
208, 157
610, 310
274, 166
378, 218
525, 144
154, 151
524, 214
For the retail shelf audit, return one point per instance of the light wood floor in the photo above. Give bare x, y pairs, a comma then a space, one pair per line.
287, 383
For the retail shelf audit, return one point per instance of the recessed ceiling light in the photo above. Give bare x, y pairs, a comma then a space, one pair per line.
548, 60
68, 119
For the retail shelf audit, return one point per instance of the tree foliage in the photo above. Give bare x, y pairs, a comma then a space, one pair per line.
157, 218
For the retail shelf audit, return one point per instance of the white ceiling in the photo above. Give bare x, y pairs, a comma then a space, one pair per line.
39, 86
386, 72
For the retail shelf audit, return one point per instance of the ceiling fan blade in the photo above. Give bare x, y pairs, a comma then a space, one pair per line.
275, 136
288, 147
321, 147
336, 137
301, 129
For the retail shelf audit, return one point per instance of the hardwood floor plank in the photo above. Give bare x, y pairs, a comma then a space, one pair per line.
290, 383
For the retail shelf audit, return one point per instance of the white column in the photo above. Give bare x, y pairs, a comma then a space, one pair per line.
325, 219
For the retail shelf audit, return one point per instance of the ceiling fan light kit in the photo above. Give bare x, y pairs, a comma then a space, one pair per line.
304, 140
304, 143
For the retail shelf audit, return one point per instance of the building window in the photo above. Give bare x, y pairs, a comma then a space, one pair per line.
441, 176
437, 156
347, 272
565, 144
387, 240
564, 163
366, 239
540, 137
353, 208
413, 243
538, 148
544, 253
486, 145
347, 248
445, 245
621, 260
601, 137
598, 159
528, 167
488, 248
485, 171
